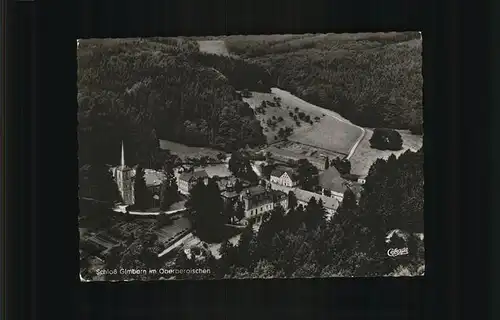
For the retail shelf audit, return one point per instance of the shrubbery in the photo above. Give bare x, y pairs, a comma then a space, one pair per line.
386, 139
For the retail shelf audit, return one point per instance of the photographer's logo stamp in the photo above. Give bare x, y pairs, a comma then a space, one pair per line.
394, 252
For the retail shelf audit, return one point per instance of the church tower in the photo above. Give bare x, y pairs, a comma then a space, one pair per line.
123, 176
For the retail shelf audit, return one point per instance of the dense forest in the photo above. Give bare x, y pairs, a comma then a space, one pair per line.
374, 80
304, 244
142, 90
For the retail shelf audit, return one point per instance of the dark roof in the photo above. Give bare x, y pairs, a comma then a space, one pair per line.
253, 191
330, 179
278, 172
305, 196
279, 194
261, 196
188, 176
224, 182
229, 194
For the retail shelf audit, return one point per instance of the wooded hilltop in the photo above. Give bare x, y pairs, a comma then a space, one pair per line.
141, 90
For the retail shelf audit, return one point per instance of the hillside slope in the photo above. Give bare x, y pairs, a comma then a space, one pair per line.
374, 80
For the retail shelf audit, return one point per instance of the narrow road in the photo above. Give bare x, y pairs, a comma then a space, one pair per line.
306, 105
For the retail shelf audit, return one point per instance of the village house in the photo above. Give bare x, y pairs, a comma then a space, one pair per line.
331, 180
258, 200
188, 180
284, 177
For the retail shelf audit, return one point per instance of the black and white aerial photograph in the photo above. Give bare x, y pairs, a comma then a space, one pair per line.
251, 157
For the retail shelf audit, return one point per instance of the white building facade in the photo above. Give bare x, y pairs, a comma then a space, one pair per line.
283, 178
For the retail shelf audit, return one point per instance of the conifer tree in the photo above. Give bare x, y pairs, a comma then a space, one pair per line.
142, 196
205, 208
169, 192
238, 186
292, 200
314, 213
100, 182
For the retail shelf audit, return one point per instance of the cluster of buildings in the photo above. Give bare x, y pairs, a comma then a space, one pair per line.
256, 200
259, 199
330, 179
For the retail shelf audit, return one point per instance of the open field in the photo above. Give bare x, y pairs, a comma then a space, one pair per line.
365, 156
213, 47
333, 132
184, 151
294, 150
282, 111
329, 134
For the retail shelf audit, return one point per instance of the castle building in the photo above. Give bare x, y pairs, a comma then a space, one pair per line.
124, 179
259, 200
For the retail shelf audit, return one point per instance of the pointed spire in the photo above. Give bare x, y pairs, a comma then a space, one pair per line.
123, 156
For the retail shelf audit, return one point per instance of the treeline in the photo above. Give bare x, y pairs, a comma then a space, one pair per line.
353, 243
374, 81
249, 47
141, 90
